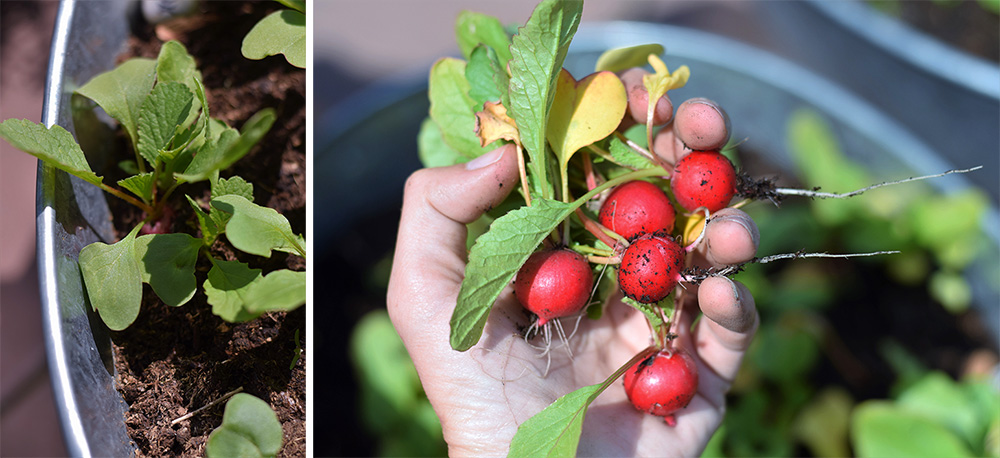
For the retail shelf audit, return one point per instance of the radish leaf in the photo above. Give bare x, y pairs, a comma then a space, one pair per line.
114, 280
495, 259
257, 230
249, 428
167, 265
55, 146
537, 54
452, 109
121, 91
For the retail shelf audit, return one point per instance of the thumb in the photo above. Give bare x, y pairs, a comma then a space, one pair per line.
430, 256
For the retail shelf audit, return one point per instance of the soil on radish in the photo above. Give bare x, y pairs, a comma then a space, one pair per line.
172, 361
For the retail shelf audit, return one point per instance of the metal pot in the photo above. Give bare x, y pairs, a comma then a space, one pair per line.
70, 215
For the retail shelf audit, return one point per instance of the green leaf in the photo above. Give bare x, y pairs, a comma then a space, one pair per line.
160, 116
140, 185
651, 310
495, 259
191, 136
537, 54
114, 280
167, 264
281, 32
175, 65
452, 108
823, 423
256, 229
382, 363
234, 185
555, 431
227, 289
224, 187
229, 148
939, 398
621, 59
816, 152
249, 429
626, 156
121, 91
297, 5
432, 149
880, 429
55, 146
279, 290
479, 72
210, 230
473, 29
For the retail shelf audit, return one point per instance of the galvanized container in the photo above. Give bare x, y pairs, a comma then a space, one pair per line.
70, 215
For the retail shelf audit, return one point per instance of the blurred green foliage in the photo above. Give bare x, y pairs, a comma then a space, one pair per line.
394, 408
776, 407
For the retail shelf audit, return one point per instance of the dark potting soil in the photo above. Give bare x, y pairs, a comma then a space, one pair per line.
173, 361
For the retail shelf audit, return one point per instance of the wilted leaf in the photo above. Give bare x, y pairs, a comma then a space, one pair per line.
492, 124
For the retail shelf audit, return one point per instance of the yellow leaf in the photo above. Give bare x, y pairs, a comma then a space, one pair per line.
583, 112
694, 225
657, 84
493, 124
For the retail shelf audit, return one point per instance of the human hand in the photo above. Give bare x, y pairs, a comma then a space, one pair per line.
483, 394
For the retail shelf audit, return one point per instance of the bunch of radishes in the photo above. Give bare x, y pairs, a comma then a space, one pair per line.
558, 282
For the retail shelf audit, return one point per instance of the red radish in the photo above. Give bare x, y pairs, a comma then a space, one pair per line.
704, 179
161, 225
650, 268
636, 208
554, 283
663, 383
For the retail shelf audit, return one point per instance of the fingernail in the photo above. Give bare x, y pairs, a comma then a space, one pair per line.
485, 160
744, 221
736, 291
715, 106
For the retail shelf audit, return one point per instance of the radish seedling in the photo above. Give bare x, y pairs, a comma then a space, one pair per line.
163, 109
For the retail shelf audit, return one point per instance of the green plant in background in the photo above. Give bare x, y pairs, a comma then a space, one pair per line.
249, 429
161, 106
774, 407
935, 416
393, 405
281, 32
